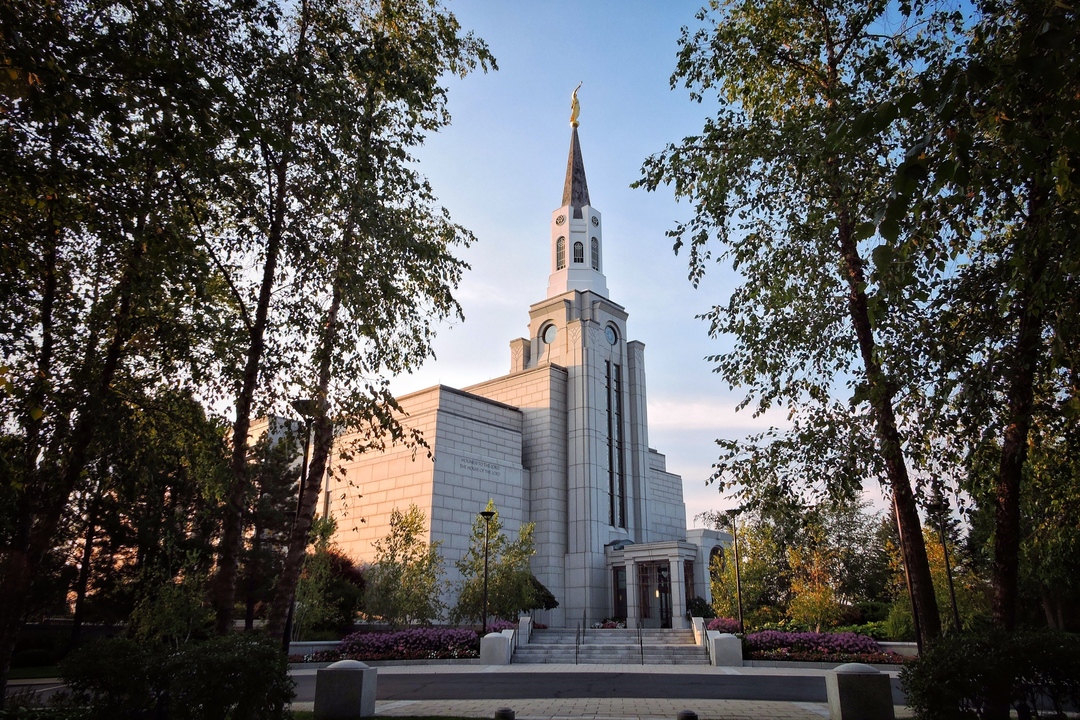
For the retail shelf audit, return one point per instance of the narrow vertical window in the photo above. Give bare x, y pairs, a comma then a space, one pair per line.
616, 473
595, 254
560, 253
579, 253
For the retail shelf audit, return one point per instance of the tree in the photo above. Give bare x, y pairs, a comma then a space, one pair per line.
789, 178
512, 588
331, 589
102, 275
356, 262
996, 173
405, 585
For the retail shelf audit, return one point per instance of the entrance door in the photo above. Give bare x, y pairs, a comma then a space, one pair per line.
655, 594
664, 585
619, 584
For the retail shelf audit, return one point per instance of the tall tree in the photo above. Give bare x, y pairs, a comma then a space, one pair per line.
102, 276
997, 173
356, 257
789, 178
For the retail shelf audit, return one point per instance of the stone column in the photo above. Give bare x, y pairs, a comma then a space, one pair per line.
678, 594
632, 593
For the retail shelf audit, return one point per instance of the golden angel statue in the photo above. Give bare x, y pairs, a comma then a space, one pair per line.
575, 108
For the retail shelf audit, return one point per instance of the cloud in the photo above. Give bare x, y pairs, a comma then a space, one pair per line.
718, 416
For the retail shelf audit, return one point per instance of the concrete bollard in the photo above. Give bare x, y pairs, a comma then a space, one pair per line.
859, 692
495, 649
504, 713
345, 690
724, 649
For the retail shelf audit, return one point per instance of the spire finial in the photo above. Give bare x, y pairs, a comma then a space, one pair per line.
575, 108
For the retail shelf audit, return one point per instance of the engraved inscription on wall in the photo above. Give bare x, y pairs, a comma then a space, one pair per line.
479, 468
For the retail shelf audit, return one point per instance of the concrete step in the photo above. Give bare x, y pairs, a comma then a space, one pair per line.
602, 646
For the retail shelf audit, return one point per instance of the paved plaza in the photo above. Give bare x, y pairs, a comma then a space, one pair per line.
601, 708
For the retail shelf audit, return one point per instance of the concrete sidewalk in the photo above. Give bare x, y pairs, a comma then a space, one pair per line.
602, 708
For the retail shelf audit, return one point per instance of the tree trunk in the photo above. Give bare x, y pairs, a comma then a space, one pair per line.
285, 592
83, 581
23, 557
231, 545
912, 545
1027, 346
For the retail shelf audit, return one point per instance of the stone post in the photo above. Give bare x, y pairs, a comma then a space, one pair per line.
859, 692
345, 691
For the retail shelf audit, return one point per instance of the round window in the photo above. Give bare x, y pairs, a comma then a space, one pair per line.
548, 334
611, 335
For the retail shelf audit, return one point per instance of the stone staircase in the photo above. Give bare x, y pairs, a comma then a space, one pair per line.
606, 647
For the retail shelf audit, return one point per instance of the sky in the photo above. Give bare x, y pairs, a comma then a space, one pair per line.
499, 169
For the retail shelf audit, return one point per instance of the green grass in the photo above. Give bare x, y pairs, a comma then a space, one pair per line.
32, 673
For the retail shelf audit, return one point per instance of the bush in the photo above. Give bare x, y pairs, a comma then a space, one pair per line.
814, 642
414, 644
240, 677
499, 625
116, 678
699, 608
724, 625
957, 677
877, 630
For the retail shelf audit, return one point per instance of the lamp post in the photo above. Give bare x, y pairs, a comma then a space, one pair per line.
487, 515
306, 410
738, 577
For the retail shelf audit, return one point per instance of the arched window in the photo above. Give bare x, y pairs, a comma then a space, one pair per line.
579, 253
595, 254
716, 559
560, 253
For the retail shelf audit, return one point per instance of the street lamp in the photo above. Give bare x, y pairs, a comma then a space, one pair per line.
487, 515
306, 409
738, 577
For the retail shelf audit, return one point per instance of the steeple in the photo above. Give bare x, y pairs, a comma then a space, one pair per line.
577, 260
575, 189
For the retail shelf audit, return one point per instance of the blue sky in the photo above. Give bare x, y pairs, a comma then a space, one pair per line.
499, 170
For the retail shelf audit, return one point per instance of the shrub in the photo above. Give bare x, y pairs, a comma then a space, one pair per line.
115, 678
813, 642
699, 608
958, 675
877, 630
724, 625
414, 644
241, 677
499, 625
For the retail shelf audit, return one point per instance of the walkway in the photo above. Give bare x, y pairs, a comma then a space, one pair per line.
601, 708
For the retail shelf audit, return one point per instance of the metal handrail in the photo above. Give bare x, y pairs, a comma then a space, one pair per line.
641, 644
577, 643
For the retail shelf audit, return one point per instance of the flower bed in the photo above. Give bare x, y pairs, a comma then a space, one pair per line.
724, 625
817, 647
414, 644
878, 658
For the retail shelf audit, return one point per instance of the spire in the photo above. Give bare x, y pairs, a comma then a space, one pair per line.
575, 189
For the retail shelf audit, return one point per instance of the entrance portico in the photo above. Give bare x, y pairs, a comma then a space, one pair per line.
653, 582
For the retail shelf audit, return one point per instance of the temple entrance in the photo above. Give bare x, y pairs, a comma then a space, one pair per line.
619, 584
654, 581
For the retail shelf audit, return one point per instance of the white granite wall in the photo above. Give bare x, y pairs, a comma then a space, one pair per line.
667, 512
540, 394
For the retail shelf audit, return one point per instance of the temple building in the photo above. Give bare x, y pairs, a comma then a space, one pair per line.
561, 441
